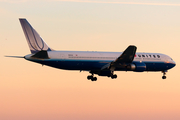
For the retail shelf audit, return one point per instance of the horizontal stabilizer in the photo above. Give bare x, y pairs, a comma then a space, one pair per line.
15, 56
106, 66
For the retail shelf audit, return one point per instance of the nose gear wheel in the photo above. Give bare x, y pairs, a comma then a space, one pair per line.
164, 74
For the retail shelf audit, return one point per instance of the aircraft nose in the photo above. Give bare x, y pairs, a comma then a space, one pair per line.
174, 63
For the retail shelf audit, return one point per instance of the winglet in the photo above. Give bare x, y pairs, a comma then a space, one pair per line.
34, 40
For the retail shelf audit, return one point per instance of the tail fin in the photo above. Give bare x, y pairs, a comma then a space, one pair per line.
34, 40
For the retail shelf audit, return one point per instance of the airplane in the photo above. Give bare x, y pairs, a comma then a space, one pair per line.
100, 63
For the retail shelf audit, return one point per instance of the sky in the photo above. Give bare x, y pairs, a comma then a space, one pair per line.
31, 91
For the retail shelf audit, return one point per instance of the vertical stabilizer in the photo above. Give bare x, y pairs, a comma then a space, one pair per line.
34, 40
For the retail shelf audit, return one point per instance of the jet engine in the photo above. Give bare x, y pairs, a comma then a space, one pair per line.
137, 66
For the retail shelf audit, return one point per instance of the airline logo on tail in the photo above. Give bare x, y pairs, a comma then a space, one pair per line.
34, 40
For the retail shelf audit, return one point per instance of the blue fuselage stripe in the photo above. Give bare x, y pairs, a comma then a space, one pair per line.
68, 64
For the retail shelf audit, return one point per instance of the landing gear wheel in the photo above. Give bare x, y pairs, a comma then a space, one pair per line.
163, 77
114, 76
94, 79
164, 74
90, 77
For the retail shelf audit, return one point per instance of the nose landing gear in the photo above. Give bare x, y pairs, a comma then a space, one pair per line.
164, 74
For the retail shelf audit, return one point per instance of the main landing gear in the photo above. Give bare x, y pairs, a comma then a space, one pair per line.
164, 74
92, 78
113, 76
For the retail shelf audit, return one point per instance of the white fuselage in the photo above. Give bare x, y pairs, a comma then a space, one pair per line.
84, 60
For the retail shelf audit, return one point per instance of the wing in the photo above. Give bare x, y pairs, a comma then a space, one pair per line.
127, 56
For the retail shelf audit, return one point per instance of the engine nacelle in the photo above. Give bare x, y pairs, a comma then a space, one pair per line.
137, 67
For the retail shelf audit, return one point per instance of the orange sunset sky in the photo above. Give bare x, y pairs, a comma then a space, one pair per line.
29, 91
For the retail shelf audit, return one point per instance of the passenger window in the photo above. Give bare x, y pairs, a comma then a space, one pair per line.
143, 55
139, 55
146, 55
158, 56
149, 55
154, 56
